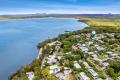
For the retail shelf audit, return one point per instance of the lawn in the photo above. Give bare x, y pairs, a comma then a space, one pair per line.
99, 22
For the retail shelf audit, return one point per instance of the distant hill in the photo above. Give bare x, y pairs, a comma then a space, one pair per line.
58, 15
89, 15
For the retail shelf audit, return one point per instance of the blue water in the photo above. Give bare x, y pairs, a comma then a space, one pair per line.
18, 39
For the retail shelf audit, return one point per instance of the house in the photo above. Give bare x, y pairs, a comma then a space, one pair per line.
83, 45
80, 60
100, 41
99, 36
86, 65
68, 53
30, 75
89, 43
94, 56
54, 69
99, 60
90, 53
84, 49
88, 35
51, 59
83, 76
76, 65
74, 47
59, 57
60, 75
118, 78
57, 48
109, 52
67, 70
76, 36
53, 43
93, 73
105, 64
78, 44
99, 48
96, 51
114, 56
99, 79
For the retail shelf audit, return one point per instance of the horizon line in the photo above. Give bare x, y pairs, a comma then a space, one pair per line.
59, 13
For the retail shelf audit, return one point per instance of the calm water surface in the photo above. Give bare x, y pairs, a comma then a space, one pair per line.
18, 39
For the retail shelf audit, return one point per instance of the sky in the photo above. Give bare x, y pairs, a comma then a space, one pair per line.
60, 6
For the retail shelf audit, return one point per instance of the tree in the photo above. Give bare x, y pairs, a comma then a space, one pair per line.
69, 57
112, 41
110, 72
36, 78
46, 74
115, 64
66, 45
114, 68
102, 75
117, 35
48, 50
79, 54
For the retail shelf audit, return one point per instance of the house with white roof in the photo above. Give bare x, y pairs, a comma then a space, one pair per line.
67, 70
59, 57
86, 65
93, 73
99, 48
99, 36
83, 76
97, 59
90, 53
74, 47
30, 75
89, 43
53, 43
109, 52
76, 65
83, 45
105, 64
114, 56
54, 69
118, 78
60, 75
51, 59
84, 49
94, 56
99, 79
57, 48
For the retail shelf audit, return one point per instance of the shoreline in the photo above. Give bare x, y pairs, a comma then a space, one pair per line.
6, 19
40, 52
21, 18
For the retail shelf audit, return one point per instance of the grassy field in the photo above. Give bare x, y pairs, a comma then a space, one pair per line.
102, 22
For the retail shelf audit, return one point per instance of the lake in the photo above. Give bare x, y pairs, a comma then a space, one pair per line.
19, 37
